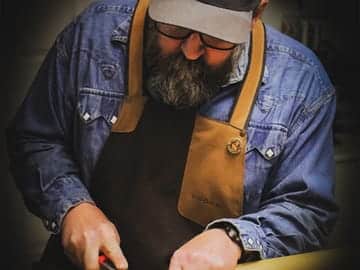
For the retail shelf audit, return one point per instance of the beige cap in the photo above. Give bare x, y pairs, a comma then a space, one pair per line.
229, 20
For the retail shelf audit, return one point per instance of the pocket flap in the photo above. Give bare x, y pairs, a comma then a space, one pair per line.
268, 140
94, 103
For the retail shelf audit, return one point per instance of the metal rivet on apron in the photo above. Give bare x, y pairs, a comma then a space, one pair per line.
234, 146
113, 119
86, 116
269, 153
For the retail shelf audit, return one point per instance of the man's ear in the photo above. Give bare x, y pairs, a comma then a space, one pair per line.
259, 10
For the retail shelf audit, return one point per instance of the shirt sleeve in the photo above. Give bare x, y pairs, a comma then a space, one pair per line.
39, 141
298, 209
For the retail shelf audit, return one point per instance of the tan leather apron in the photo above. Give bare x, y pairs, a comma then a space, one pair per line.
212, 185
213, 180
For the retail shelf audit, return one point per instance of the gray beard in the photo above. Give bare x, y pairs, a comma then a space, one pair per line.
178, 82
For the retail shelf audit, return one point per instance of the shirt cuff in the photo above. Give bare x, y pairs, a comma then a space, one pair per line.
251, 238
64, 194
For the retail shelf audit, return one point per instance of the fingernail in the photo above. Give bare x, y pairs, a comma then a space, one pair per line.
123, 267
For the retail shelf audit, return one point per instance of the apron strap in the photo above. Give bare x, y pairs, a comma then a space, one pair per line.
133, 104
246, 99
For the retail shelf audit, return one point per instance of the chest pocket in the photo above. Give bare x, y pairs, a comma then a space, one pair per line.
265, 144
94, 105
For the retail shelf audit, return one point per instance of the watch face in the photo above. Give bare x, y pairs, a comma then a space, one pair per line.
233, 234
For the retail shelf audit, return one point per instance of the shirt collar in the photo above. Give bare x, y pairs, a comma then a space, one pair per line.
239, 69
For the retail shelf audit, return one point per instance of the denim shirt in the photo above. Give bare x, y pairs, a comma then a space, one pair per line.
58, 132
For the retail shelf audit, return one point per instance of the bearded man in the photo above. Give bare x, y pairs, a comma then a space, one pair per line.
176, 135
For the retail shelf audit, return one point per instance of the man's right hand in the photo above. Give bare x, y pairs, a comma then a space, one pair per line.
85, 233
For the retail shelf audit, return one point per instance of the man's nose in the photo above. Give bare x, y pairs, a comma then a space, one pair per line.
192, 47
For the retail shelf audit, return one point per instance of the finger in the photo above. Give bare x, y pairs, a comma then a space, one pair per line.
175, 264
114, 253
90, 258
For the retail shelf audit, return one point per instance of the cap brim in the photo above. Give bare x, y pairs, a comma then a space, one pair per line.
225, 24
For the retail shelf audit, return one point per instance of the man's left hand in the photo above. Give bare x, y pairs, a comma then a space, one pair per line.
212, 249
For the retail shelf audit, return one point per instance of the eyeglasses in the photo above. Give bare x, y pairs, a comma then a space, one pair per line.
181, 33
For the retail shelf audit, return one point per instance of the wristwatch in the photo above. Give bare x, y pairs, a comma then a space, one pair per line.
234, 235
230, 231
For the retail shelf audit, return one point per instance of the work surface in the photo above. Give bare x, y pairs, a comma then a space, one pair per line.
320, 260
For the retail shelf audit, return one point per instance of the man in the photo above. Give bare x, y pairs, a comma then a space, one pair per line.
142, 174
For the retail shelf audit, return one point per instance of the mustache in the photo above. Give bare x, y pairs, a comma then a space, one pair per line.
177, 61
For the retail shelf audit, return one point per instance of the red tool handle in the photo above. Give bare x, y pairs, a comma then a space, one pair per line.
105, 263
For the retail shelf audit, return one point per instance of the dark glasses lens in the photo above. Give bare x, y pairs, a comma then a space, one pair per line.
173, 31
216, 43
178, 32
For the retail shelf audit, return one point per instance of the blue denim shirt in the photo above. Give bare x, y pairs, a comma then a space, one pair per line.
62, 125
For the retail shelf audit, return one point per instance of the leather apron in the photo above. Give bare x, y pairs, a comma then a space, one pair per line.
158, 159
212, 185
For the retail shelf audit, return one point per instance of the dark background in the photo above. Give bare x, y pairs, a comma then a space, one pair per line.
28, 29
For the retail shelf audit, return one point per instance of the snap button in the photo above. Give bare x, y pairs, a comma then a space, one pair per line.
53, 225
122, 39
108, 71
269, 153
113, 119
86, 116
234, 146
